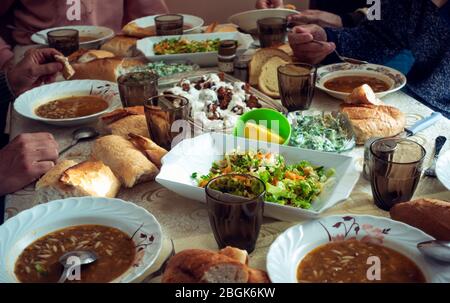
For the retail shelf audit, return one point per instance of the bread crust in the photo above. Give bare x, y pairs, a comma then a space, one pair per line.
374, 121
153, 151
136, 124
430, 215
133, 30
121, 46
126, 162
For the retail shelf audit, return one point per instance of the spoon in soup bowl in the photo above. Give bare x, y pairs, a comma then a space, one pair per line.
437, 250
73, 260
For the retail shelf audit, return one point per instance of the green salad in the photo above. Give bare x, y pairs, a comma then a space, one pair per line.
184, 46
321, 132
294, 185
165, 69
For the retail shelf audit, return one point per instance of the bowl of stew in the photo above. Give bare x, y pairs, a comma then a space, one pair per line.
339, 80
69, 103
353, 249
125, 238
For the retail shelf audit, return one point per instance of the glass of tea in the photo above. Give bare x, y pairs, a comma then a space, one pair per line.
395, 167
161, 112
236, 208
297, 83
272, 31
135, 88
66, 41
169, 25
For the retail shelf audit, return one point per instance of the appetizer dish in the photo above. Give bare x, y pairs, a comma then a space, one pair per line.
165, 69
339, 80
216, 103
341, 249
39, 262
72, 107
293, 185
329, 132
185, 46
126, 238
300, 183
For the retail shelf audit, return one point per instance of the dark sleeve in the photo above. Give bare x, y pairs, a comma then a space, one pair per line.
445, 12
6, 98
352, 19
375, 41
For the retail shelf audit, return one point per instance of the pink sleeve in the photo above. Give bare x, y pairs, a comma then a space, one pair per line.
140, 8
5, 53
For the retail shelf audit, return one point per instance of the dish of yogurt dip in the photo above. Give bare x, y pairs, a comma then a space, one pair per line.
215, 103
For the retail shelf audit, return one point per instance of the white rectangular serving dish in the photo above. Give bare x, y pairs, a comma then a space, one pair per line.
145, 46
198, 154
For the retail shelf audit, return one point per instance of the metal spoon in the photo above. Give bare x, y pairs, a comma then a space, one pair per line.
342, 58
73, 259
440, 142
437, 250
81, 134
12, 27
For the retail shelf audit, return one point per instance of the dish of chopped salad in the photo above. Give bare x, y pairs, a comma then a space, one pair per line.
184, 46
165, 69
322, 132
296, 185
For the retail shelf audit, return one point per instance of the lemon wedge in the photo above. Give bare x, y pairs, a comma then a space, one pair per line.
254, 131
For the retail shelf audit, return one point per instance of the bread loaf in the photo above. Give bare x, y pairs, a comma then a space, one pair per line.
126, 162
374, 121
121, 46
430, 215
229, 265
69, 179
202, 266
268, 78
153, 151
363, 95
133, 30
260, 58
136, 124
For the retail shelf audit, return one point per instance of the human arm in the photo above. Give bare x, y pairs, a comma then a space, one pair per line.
134, 9
36, 68
26, 159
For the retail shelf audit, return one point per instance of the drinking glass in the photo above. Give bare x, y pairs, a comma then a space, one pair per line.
297, 83
272, 31
161, 112
235, 220
66, 41
169, 25
395, 168
137, 87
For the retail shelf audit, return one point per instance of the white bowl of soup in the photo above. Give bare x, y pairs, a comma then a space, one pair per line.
126, 238
69, 103
339, 80
353, 249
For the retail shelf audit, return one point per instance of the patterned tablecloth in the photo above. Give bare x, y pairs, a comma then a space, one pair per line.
186, 221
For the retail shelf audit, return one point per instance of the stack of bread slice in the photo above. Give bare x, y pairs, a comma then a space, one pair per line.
229, 265
263, 68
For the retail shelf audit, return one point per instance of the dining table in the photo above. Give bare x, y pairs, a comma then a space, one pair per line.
186, 222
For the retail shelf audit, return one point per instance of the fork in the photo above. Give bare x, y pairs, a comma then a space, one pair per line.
161, 270
342, 58
440, 142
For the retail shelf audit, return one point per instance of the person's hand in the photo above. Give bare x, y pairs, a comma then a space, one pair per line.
305, 49
262, 4
26, 159
321, 18
37, 67
439, 3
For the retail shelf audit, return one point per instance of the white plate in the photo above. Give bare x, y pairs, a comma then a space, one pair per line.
103, 34
247, 21
30, 225
198, 154
293, 245
203, 59
196, 22
394, 78
443, 169
28, 102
